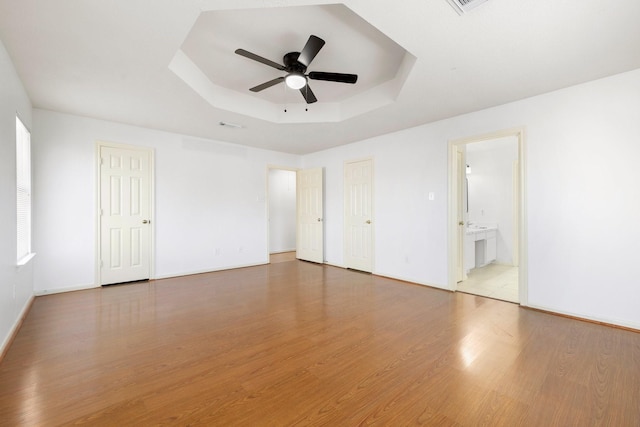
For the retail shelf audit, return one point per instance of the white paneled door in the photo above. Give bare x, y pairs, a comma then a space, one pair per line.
358, 181
125, 223
310, 216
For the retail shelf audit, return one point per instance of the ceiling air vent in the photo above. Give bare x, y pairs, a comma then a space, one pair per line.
464, 6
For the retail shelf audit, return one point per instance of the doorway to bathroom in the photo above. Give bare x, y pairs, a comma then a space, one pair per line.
486, 202
281, 214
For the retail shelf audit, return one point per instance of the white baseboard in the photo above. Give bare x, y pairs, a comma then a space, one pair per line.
412, 281
167, 276
334, 265
613, 322
387, 276
61, 290
190, 273
16, 325
282, 251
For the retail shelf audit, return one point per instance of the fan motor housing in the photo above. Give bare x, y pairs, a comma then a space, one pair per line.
291, 63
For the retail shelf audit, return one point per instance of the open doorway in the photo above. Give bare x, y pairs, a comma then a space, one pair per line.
282, 214
487, 198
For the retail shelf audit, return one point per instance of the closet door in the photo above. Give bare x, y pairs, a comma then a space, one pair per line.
310, 230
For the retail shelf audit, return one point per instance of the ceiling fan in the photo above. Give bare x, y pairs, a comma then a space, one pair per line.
295, 64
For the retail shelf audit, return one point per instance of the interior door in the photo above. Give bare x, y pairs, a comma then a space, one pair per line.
358, 215
310, 215
124, 215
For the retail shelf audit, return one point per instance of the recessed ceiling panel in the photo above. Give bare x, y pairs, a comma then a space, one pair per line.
352, 46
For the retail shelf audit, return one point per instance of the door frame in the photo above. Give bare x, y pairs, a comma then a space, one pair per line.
461, 189
267, 204
97, 192
520, 235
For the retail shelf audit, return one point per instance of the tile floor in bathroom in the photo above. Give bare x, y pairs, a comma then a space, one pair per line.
493, 281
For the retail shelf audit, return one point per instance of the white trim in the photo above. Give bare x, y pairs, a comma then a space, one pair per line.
63, 290
16, 325
606, 321
452, 220
191, 273
152, 192
411, 281
330, 264
515, 256
519, 133
283, 251
523, 240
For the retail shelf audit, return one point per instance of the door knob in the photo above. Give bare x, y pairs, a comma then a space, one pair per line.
461, 223
368, 221
319, 219
146, 221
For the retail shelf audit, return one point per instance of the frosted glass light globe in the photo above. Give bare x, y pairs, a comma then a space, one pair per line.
295, 80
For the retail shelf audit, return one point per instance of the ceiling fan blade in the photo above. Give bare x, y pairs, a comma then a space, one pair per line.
266, 85
258, 58
308, 95
333, 77
310, 50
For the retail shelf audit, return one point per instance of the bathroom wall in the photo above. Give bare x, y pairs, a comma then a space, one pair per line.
491, 190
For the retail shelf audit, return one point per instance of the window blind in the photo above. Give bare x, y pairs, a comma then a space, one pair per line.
23, 187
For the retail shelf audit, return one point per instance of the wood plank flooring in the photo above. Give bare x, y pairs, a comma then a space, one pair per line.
295, 343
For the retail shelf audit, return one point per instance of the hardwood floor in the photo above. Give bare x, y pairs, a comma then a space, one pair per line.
282, 257
295, 343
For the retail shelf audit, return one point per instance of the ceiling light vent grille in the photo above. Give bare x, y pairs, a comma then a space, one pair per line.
463, 6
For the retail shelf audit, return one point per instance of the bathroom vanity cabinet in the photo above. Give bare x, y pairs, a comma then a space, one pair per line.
479, 246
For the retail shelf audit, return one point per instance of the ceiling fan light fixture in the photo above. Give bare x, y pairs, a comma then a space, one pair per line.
295, 80
295, 64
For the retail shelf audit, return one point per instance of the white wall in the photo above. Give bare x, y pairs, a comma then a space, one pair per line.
210, 197
16, 284
491, 186
282, 210
581, 149
582, 197
410, 231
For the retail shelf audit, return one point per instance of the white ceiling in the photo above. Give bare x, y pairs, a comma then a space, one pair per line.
111, 60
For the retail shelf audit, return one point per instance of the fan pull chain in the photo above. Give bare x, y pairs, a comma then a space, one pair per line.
306, 89
284, 87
